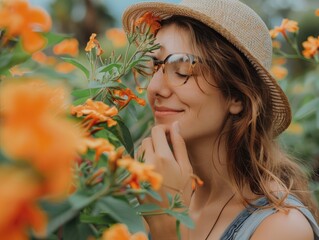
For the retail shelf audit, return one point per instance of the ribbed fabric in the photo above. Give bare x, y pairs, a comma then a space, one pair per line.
245, 224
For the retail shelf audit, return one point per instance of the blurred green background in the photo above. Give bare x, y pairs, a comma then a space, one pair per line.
83, 17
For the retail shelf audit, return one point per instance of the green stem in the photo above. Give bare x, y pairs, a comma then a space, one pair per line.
293, 56
159, 212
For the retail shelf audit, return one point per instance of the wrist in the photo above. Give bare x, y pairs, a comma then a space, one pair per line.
162, 227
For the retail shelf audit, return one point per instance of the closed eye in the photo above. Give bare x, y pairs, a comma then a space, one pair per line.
182, 75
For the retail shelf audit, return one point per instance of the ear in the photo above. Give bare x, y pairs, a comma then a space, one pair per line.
235, 106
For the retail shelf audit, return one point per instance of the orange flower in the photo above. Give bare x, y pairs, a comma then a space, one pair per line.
117, 36
311, 47
196, 181
150, 20
276, 44
279, 72
100, 145
127, 95
96, 177
67, 46
20, 20
41, 58
140, 172
19, 193
120, 231
317, 12
94, 43
279, 61
91, 43
65, 67
96, 111
286, 25
295, 128
140, 90
34, 128
298, 89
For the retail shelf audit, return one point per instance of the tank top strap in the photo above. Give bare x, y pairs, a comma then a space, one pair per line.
245, 224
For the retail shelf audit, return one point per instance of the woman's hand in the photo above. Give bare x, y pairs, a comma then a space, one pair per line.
173, 164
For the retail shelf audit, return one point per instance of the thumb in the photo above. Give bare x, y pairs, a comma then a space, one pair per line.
179, 148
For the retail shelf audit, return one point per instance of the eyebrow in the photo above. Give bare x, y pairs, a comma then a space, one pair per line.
159, 52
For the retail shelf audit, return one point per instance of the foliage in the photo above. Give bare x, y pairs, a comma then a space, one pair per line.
66, 155
67, 147
301, 138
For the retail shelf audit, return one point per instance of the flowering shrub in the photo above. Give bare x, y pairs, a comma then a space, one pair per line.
302, 92
67, 167
66, 155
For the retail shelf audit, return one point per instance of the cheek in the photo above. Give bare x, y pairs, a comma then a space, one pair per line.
150, 96
205, 118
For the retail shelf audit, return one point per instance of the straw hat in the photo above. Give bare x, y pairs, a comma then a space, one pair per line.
240, 25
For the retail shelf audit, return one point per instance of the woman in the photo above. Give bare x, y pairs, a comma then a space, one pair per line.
217, 112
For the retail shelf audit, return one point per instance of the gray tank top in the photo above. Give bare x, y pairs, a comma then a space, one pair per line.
245, 224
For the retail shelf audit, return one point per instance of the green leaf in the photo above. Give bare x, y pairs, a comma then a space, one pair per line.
170, 199
147, 207
75, 230
78, 65
59, 214
307, 109
182, 217
132, 65
5, 58
54, 38
79, 101
109, 67
147, 187
123, 134
79, 93
16, 56
122, 212
101, 219
80, 200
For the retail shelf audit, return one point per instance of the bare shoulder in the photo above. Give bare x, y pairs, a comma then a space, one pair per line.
292, 225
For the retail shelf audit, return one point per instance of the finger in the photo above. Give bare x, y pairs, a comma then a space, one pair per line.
179, 148
147, 150
160, 143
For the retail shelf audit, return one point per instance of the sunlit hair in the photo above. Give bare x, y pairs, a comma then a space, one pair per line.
254, 158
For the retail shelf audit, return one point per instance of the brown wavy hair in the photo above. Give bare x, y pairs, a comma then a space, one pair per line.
254, 158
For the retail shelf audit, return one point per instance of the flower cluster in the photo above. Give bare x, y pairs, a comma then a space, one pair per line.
34, 128
95, 112
21, 20
42, 143
66, 155
311, 45
307, 51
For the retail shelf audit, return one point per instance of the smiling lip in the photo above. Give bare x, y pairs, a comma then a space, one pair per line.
165, 111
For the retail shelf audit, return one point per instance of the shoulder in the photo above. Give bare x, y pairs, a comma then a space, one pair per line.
292, 225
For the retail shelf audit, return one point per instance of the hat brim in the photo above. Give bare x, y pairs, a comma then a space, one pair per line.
281, 109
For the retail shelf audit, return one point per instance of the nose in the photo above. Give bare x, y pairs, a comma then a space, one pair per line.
158, 85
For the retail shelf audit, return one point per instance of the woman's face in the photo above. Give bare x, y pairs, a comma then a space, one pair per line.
201, 114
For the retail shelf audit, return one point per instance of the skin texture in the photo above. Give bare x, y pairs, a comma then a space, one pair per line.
188, 124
